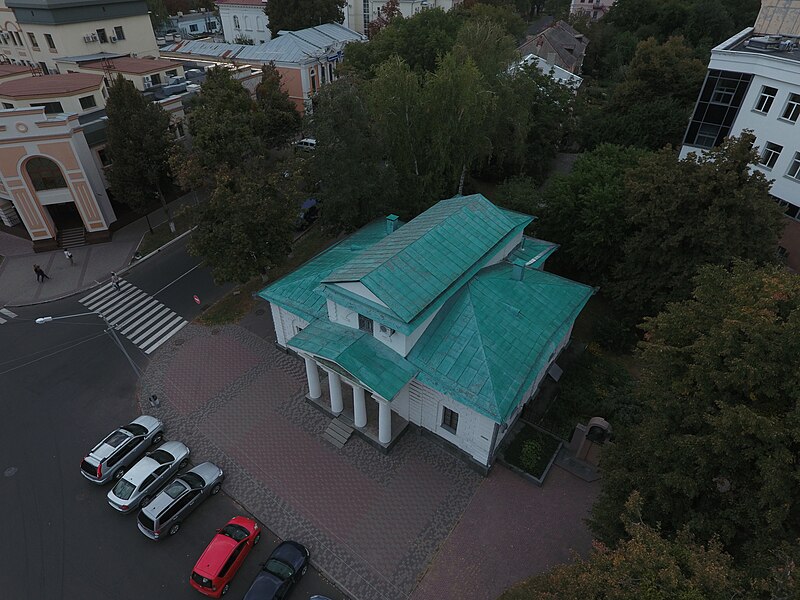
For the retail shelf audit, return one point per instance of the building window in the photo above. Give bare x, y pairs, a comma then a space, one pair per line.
716, 110
101, 35
119, 33
724, 91
19, 38
766, 99
155, 79
34, 43
7, 105
172, 73
792, 110
770, 154
365, 324
449, 420
44, 174
313, 81
50, 108
50, 43
707, 135
43, 67
193, 28
179, 129
88, 102
236, 22
103, 156
794, 169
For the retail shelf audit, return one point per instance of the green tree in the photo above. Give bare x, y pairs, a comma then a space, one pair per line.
292, 15
281, 121
246, 226
644, 566
159, 15
226, 125
139, 144
503, 15
244, 39
585, 211
716, 448
708, 209
355, 183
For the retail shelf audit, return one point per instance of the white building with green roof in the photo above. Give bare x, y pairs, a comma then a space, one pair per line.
447, 322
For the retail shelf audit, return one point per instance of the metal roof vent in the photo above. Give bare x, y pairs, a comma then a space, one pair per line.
391, 223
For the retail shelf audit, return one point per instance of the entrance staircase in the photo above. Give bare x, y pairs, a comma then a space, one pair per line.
338, 432
71, 238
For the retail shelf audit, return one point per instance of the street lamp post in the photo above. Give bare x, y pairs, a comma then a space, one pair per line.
109, 330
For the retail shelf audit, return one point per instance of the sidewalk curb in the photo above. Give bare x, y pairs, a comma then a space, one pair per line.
96, 284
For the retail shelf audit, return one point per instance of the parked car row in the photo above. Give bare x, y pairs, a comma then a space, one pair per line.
139, 485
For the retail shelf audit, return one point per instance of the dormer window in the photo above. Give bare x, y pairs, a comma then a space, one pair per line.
365, 324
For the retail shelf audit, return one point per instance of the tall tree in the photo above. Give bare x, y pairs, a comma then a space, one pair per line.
644, 565
159, 15
716, 448
281, 121
291, 15
708, 209
225, 124
246, 226
139, 143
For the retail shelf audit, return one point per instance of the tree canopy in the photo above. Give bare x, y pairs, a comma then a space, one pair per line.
292, 15
715, 450
281, 121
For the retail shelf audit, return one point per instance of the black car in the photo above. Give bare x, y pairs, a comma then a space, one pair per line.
284, 567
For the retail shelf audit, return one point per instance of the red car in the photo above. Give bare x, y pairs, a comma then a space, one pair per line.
224, 555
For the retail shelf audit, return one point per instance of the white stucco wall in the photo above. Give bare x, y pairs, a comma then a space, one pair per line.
286, 324
253, 23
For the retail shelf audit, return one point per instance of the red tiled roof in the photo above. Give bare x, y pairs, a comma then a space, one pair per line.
50, 85
8, 69
129, 64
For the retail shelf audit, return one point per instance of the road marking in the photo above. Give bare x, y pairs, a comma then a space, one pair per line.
8, 313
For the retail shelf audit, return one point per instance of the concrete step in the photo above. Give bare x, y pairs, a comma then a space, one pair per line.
72, 238
337, 433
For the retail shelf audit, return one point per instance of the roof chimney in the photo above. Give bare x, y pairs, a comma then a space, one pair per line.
391, 223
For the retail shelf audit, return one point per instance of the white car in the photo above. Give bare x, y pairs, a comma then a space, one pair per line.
141, 483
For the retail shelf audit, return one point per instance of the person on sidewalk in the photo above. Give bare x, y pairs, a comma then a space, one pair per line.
40, 274
115, 279
68, 255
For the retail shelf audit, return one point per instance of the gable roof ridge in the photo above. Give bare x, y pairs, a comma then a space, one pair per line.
482, 344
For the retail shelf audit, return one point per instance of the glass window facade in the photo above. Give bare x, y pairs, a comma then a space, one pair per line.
717, 107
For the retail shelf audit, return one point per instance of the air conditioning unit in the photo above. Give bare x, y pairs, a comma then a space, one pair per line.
113, 39
94, 37
387, 330
87, 38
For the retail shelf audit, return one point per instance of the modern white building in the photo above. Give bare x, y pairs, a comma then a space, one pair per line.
38, 32
753, 83
447, 323
244, 19
594, 9
359, 13
195, 23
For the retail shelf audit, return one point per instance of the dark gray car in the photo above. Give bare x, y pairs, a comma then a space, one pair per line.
165, 513
141, 483
120, 449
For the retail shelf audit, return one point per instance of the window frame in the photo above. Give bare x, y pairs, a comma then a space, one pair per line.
362, 324
91, 98
794, 165
765, 100
51, 44
34, 41
449, 420
119, 33
102, 36
792, 108
770, 155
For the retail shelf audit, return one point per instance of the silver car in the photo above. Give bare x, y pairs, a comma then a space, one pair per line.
120, 449
145, 478
166, 511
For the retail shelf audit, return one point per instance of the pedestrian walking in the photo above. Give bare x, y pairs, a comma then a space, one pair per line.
115, 280
40, 274
68, 254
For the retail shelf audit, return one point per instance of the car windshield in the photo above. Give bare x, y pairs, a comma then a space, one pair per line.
116, 438
135, 429
123, 489
236, 532
162, 457
280, 570
193, 480
175, 489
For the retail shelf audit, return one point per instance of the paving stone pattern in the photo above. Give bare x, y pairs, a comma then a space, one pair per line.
373, 522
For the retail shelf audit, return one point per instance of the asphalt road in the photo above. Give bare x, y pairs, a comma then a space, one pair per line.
63, 386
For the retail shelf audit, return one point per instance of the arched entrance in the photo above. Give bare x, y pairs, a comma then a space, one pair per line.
52, 191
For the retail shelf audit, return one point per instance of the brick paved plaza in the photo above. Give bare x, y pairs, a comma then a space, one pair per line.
373, 522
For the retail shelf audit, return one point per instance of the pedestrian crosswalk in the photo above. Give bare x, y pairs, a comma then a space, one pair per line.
5, 315
138, 316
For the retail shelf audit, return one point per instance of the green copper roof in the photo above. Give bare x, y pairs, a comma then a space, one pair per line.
409, 269
297, 292
379, 368
533, 252
490, 341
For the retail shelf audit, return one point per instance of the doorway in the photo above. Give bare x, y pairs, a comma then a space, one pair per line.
65, 216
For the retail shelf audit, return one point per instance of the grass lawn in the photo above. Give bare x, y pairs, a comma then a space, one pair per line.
235, 306
161, 234
547, 445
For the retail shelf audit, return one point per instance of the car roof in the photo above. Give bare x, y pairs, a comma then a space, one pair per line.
207, 470
215, 555
162, 501
147, 421
264, 586
288, 552
141, 470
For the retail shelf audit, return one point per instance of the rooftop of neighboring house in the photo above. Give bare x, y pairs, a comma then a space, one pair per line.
560, 38
9, 70
65, 84
132, 65
490, 328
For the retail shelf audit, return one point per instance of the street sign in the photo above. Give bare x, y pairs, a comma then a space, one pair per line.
196, 299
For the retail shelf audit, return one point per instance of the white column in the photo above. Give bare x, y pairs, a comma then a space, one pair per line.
335, 384
384, 421
359, 406
312, 374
